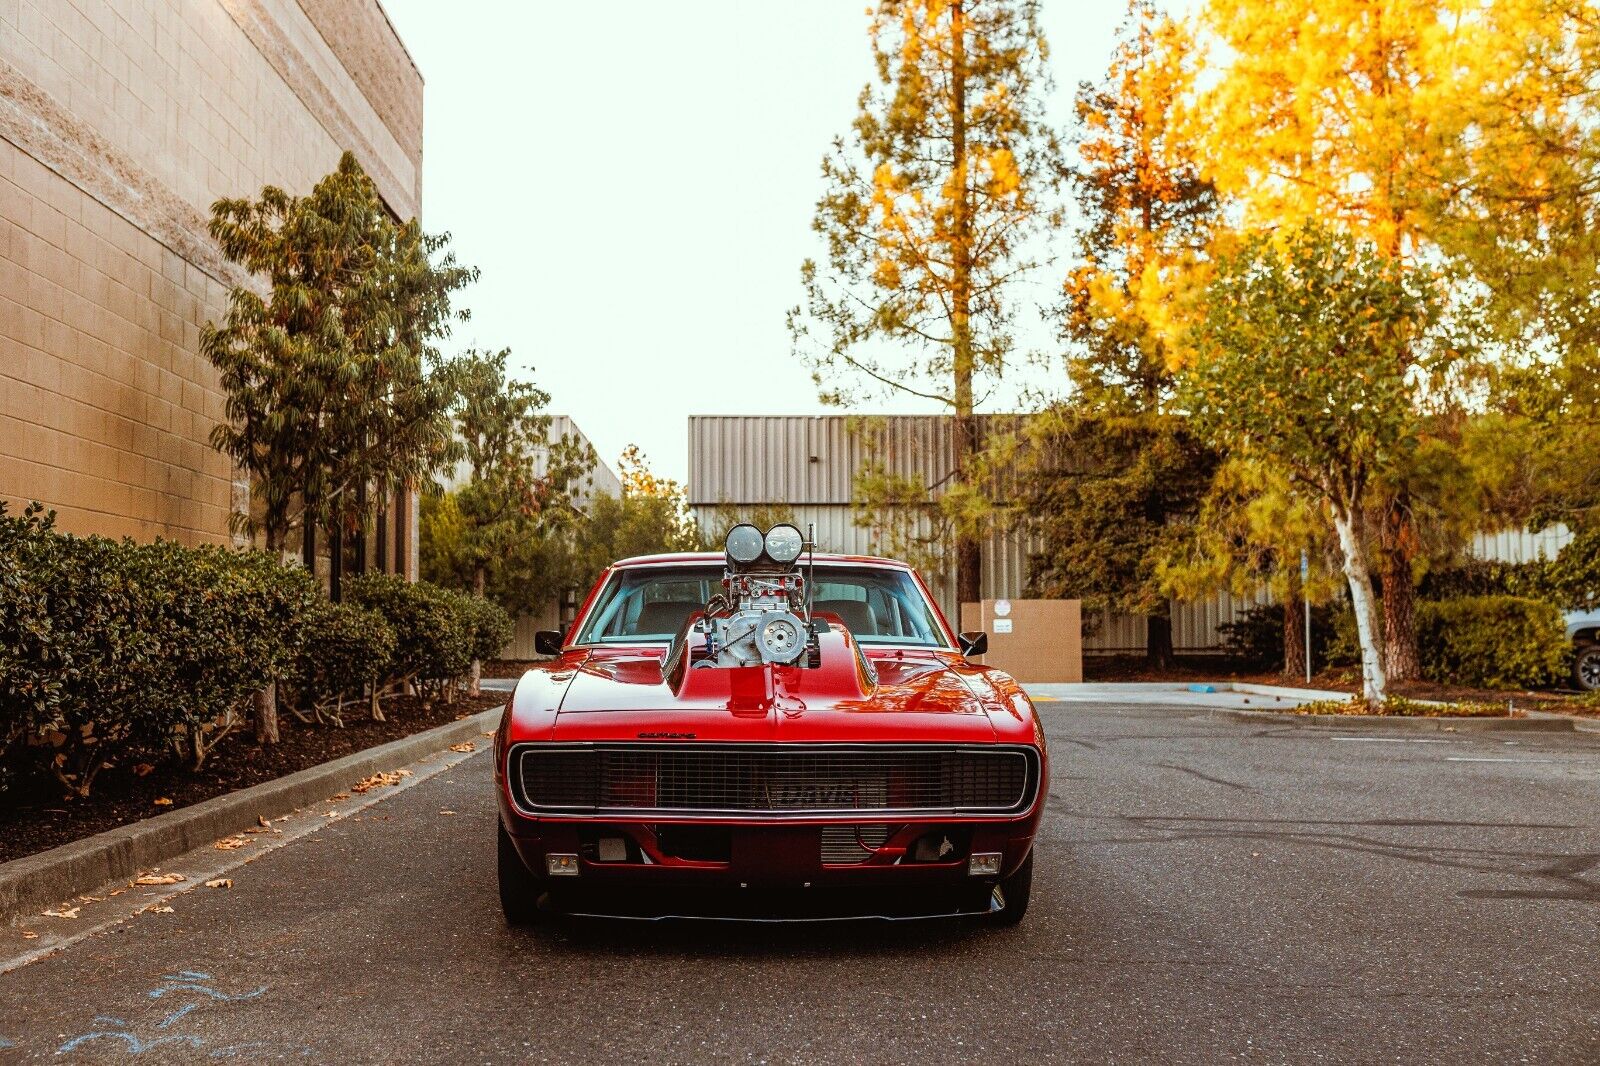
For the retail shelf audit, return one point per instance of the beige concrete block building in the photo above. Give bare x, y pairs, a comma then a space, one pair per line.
121, 121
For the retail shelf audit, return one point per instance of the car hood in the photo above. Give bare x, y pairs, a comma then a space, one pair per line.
622, 695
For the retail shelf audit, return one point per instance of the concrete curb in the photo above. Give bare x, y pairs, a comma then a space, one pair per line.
1551, 724
118, 855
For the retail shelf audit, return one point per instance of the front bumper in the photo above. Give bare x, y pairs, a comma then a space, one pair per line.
767, 871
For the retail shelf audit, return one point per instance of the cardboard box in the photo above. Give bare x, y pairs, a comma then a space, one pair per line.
1035, 641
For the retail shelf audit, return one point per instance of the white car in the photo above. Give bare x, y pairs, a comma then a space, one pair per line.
1583, 629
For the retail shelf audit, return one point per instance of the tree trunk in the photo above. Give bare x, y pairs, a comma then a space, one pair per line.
1374, 684
336, 564
969, 553
1294, 638
1158, 641
474, 682
265, 702
1400, 659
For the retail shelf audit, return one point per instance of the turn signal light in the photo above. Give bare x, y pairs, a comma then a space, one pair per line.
981, 864
561, 865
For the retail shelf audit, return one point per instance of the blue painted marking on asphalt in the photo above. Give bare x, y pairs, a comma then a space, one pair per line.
175, 1015
109, 1028
4, 1043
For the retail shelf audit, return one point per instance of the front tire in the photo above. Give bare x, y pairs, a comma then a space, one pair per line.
1015, 892
1586, 667
519, 888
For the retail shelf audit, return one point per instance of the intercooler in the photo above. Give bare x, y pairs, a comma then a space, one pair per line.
771, 780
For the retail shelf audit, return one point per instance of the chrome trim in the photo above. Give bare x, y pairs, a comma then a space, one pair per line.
1025, 803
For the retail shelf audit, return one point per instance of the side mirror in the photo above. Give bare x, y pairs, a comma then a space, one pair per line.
547, 642
974, 644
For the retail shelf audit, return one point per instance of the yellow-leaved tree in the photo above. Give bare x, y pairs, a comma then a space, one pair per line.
926, 215
1366, 117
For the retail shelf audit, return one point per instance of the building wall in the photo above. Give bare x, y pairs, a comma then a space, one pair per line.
121, 121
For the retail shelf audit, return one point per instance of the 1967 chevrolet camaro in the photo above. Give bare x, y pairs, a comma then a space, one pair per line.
761, 735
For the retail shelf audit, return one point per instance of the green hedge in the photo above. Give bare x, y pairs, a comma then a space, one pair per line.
439, 632
1492, 642
348, 649
111, 648
112, 651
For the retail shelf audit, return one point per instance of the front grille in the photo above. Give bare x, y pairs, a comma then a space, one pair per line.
772, 780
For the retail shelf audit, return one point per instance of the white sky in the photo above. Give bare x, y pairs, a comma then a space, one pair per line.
636, 182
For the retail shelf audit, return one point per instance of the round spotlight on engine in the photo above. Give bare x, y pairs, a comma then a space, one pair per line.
784, 543
744, 544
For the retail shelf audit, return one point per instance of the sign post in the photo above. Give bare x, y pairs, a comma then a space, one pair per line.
1305, 573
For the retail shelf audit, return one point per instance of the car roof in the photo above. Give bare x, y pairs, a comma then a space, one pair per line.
718, 557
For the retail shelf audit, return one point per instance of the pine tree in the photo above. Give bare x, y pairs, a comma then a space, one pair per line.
1113, 476
927, 212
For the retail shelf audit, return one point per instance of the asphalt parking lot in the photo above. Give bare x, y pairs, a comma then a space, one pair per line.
1208, 889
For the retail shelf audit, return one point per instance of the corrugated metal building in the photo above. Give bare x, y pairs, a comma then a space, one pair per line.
806, 465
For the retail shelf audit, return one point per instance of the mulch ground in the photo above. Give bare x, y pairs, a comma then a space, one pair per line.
34, 817
1191, 669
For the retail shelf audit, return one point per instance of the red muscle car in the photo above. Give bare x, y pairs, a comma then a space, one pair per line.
758, 735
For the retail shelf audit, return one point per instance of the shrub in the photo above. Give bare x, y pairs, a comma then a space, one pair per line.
491, 626
228, 623
109, 648
433, 638
346, 648
1492, 641
1256, 638
74, 652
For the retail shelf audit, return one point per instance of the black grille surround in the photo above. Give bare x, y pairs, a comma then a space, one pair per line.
770, 782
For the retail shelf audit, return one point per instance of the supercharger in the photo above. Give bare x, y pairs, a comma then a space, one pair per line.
761, 625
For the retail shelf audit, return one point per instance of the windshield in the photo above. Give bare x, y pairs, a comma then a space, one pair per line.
649, 603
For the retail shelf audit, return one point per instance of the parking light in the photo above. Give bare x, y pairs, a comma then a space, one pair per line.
984, 864
557, 865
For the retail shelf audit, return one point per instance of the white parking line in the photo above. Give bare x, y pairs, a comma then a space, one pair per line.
1475, 758
1390, 740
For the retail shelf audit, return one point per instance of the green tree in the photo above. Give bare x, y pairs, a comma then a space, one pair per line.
926, 214
1303, 360
1110, 497
332, 377
509, 534
1250, 533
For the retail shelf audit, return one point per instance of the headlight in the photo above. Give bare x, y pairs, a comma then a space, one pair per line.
744, 543
784, 543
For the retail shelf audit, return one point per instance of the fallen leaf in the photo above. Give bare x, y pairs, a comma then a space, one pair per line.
261, 820
230, 843
447, 812
64, 912
488, 734
346, 795
143, 768
28, 934
161, 801
159, 879
333, 814
464, 747
159, 910
221, 882
378, 780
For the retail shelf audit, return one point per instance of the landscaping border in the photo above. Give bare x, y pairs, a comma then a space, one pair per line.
118, 855
1407, 723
